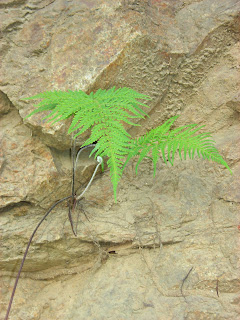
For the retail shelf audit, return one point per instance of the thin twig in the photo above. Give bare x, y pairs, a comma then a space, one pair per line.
70, 218
26, 251
99, 159
217, 288
79, 152
183, 281
73, 155
81, 208
74, 167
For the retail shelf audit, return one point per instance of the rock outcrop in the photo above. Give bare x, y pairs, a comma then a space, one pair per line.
169, 248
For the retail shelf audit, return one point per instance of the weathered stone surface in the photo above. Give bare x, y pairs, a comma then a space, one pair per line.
5, 103
129, 258
183, 214
30, 171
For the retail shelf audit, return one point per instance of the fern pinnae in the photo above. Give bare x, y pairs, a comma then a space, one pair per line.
142, 155
40, 109
162, 148
155, 157
185, 139
104, 113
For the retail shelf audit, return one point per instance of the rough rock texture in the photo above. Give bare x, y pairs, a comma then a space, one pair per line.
169, 248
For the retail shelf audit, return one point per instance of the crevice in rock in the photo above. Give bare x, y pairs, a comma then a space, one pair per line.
229, 201
5, 103
12, 4
15, 205
38, 8
171, 242
12, 27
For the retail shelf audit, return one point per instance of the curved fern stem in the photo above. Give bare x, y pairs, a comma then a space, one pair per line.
99, 160
25, 254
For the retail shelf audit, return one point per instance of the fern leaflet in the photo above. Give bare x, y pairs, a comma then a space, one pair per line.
166, 142
104, 113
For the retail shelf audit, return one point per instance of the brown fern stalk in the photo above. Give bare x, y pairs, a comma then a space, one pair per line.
26, 252
71, 207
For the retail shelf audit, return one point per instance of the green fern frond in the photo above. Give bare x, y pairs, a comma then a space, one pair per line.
61, 103
166, 142
104, 113
139, 146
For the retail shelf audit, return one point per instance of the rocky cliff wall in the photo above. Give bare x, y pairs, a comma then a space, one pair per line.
129, 259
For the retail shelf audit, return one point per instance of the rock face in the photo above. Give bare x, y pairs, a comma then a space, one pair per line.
169, 248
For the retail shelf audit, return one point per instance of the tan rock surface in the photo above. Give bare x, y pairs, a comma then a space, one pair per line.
129, 259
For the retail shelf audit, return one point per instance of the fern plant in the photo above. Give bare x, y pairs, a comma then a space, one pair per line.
105, 112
